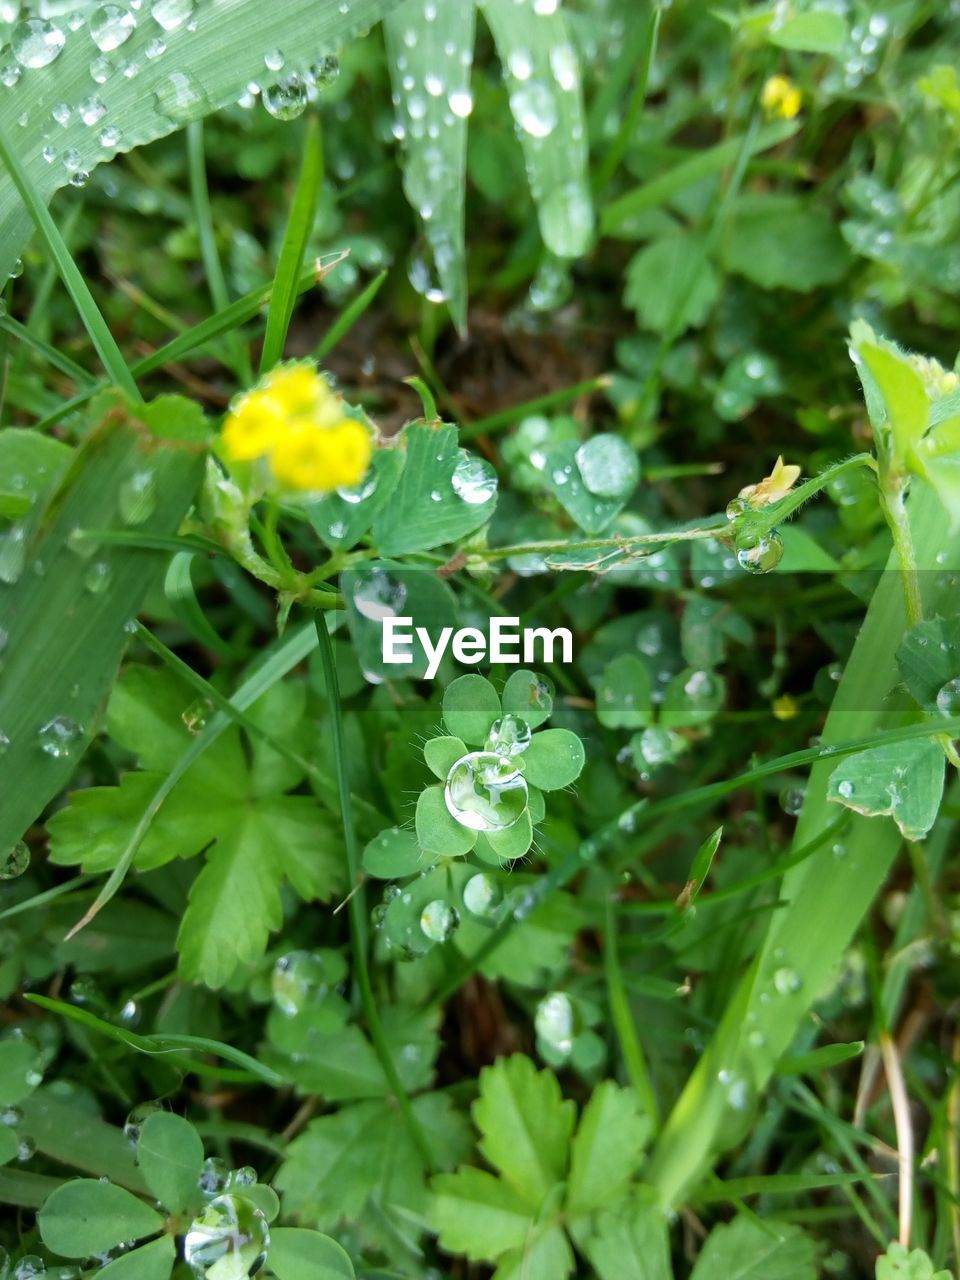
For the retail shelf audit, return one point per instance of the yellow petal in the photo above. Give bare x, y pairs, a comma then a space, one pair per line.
252, 426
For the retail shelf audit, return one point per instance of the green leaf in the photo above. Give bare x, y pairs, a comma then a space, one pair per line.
64, 639
170, 1156
929, 661
342, 1159
901, 1263
607, 1149
203, 70
296, 1254
392, 854
87, 1216
623, 693
542, 74
553, 759
692, 697
431, 81
341, 522
525, 1126
470, 706
382, 589
632, 1244
746, 1249
545, 1255
514, 841
153, 1261
9, 1144
438, 831
529, 695
904, 780
783, 242
904, 400
568, 483
477, 1215
828, 1055
30, 463
20, 1070
667, 274
816, 32
426, 510
441, 754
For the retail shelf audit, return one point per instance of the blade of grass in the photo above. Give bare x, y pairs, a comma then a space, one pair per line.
540, 404
93, 321
622, 1017
296, 237
631, 119
216, 281
46, 351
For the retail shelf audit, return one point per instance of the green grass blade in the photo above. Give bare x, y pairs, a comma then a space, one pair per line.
430, 65
65, 612
203, 68
93, 321
349, 316
216, 281
295, 239
47, 352
542, 73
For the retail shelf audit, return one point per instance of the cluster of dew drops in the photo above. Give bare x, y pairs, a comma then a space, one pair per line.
38, 41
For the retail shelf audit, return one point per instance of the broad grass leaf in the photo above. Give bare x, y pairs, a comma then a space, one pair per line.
87, 1216
200, 70
29, 464
430, 65
65, 629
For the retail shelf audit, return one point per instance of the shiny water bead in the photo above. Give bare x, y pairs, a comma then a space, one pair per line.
759, 553
29, 1268
111, 25
474, 479
485, 791
170, 14
286, 99
509, 736
555, 1022
92, 109
137, 497
214, 1176
298, 979
438, 920
608, 466
482, 895
228, 1240
534, 108
948, 698
36, 42
135, 1120
377, 596
60, 737
359, 493
15, 862
787, 981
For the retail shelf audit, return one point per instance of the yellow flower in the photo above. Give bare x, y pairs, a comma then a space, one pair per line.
321, 458
785, 707
298, 424
781, 97
772, 487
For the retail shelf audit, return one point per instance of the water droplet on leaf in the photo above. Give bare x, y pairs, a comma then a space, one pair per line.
228, 1239
485, 791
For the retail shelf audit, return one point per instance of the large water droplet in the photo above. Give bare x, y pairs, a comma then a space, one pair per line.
227, 1241
35, 42
171, 14
555, 1022
791, 800
509, 736
110, 26
377, 596
759, 553
485, 791
92, 109
482, 895
787, 981
286, 99
948, 698
60, 737
13, 553
438, 920
214, 1176
461, 103
97, 578
360, 492
30, 1268
135, 1120
298, 979
474, 479
608, 466
534, 109
180, 97
15, 861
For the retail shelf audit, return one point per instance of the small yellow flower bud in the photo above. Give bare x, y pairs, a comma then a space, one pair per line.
781, 97
785, 707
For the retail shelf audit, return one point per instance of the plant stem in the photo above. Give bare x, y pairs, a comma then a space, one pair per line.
623, 1022
356, 905
604, 544
895, 511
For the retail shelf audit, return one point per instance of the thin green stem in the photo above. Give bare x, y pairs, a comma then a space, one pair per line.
540, 404
216, 281
895, 511
356, 901
622, 1016
628, 128
764, 518
625, 545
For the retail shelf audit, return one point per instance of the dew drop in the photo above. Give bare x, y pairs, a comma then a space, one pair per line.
474, 479
36, 42
485, 791
92, 110
298, 979
534, 109
135, 1120
509, 736
787, 981
438, 920
137, 497
286, 99
555, 1022
377, 596
759, 553
274, 60
948, 698
171, 14
229, 1238
360, 492
110, 26
59, 737
845, 788
482, 895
